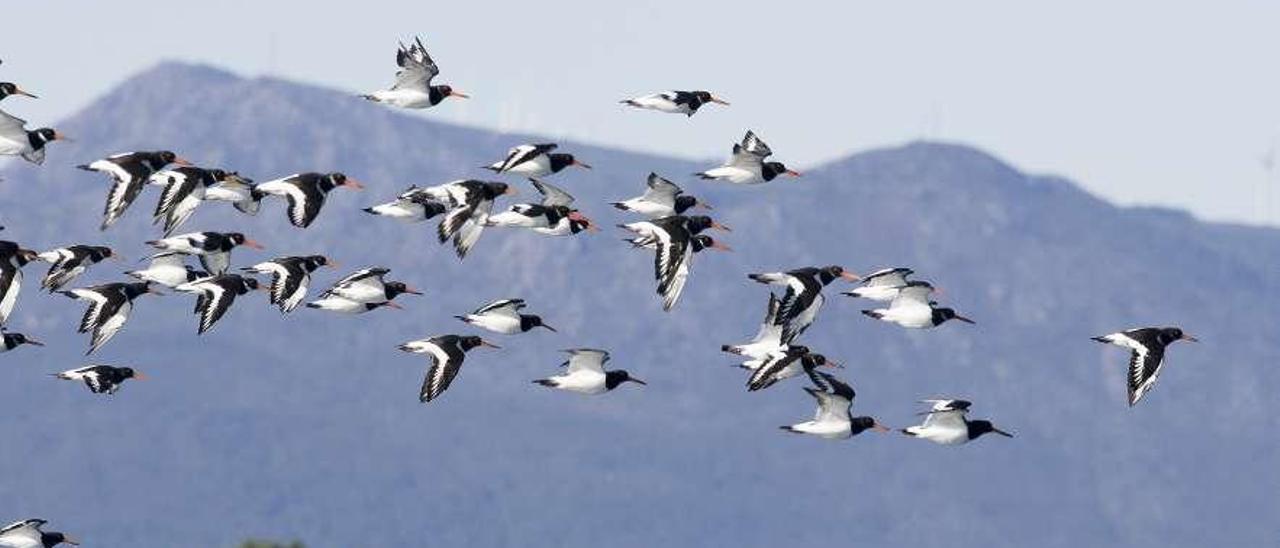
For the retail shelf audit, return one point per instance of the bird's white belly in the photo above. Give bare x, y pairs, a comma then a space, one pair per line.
649, 209
12, 147
513, 219
410, 212
500, 324
735, 175
404, 98
533, 168
828, 430
882, 294
582, 383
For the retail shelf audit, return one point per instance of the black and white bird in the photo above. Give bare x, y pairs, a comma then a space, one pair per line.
413, 88
129, 173
446, 353
768, 338
1146, 346
185, 189
168, 268
471, 203
368, 286
10, 341
503, 316
534, 161
662, 199
17, 140
101, 379
238, 191
213, 248
10, 89
27, 534
673, 241
585, 373
674, 102
12, 258
109, 308
411, 206
290, 277
552, 216
747, 166
803, 299
834, 419
68, 263
911, 308
786, 362
306, 193
881, 285
216, 294
947, 423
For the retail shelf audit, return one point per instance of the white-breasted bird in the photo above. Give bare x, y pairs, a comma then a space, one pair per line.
768, 338
834, 418
786, 362
503, 316
28, 534
216, 294
585, 373
290, 277
534, 161
1146, 346
881, 285
101, 379
68, 263
746, 166
911, 308
413, 88
803, 299
672, 239
447, 353
662, 198
213, 248
947, 423
12, 258
129, 172
674, 102
109, 308
17, 140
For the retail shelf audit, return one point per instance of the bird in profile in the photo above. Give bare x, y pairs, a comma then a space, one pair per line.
585, 373
362, 291
101, 379
411, 206
672, 238
17, 140
446, 353
535, 161
553, 216
10, 89
413, 88
803, 299
12, 258
169, 269
674, 102
786, 362
290, 277
109, 308
503, 316
471, 203
10, 341
662, 198
129, 173
911, 308
216, 294
68, 263
747, 165
834, 419
28, 534
768, 339
947, 423
185, 188
213, 248
881, 285
306, 193
238, 191
1146, 346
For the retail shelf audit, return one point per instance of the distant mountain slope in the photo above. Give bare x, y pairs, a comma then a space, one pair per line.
308, 426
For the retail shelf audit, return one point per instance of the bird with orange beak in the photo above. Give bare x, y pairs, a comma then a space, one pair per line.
804, 298
306, 193
12, 258
17, 140
129, 173
534, 161
413, 87
675, 102
101, 379
28, 534
8, 89
747, 166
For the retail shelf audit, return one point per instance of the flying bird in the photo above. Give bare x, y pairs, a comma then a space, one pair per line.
68, 263
803, 299
585, 373
947, 423
673, 240
238, 191
552, 216
768, 338
1146, 346
290, 277
787, 362
129, 173
503, 316
216, 294
913, 309
27, 534
674, 102
662, 199
169, 269
881, 285
413, 88
9, 89
534, 161
101, 379
446, 353
109, 308
472, 202
12, 258
17, 140
213, 248
10, 341
834, 419
747, 166
185, 188
411, 206
306, 193
368, 286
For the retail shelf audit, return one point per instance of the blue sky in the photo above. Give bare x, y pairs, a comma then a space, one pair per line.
1142, 102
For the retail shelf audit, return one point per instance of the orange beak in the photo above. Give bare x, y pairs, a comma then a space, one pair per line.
352, 183
793, 173
330, 263
880, 427
253, 244
720, 246
1189, 338
459, 95
140, 376
580, 164
850, 276
181, 161
20, 91
59, 136
715, 99
719, 226
488, 344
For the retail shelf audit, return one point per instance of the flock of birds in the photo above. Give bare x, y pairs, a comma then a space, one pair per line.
465, 209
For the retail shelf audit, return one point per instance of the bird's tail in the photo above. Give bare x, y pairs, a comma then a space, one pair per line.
790, 429
314, 305
369, 97
85, 167
1100, 339
703, 175
545, 382
908, 432
369, 210
874, 314
618, 205
629, 102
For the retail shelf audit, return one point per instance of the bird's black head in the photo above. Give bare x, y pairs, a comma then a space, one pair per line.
127, 372
20, 339
98, 253
684, 202
797, 349
978, 428
530, 321
43, 136
702, 242
10, 88
495, 189
941, 315
471, 341
396, 288
698, 223
49, 540
442, 92
773, 169
618, 376
560, 161
861, 424
312, 262
132, 290
828, 274
166, 156
248, 284
1170, 334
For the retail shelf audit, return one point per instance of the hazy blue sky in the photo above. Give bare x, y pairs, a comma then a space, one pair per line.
1142, 102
